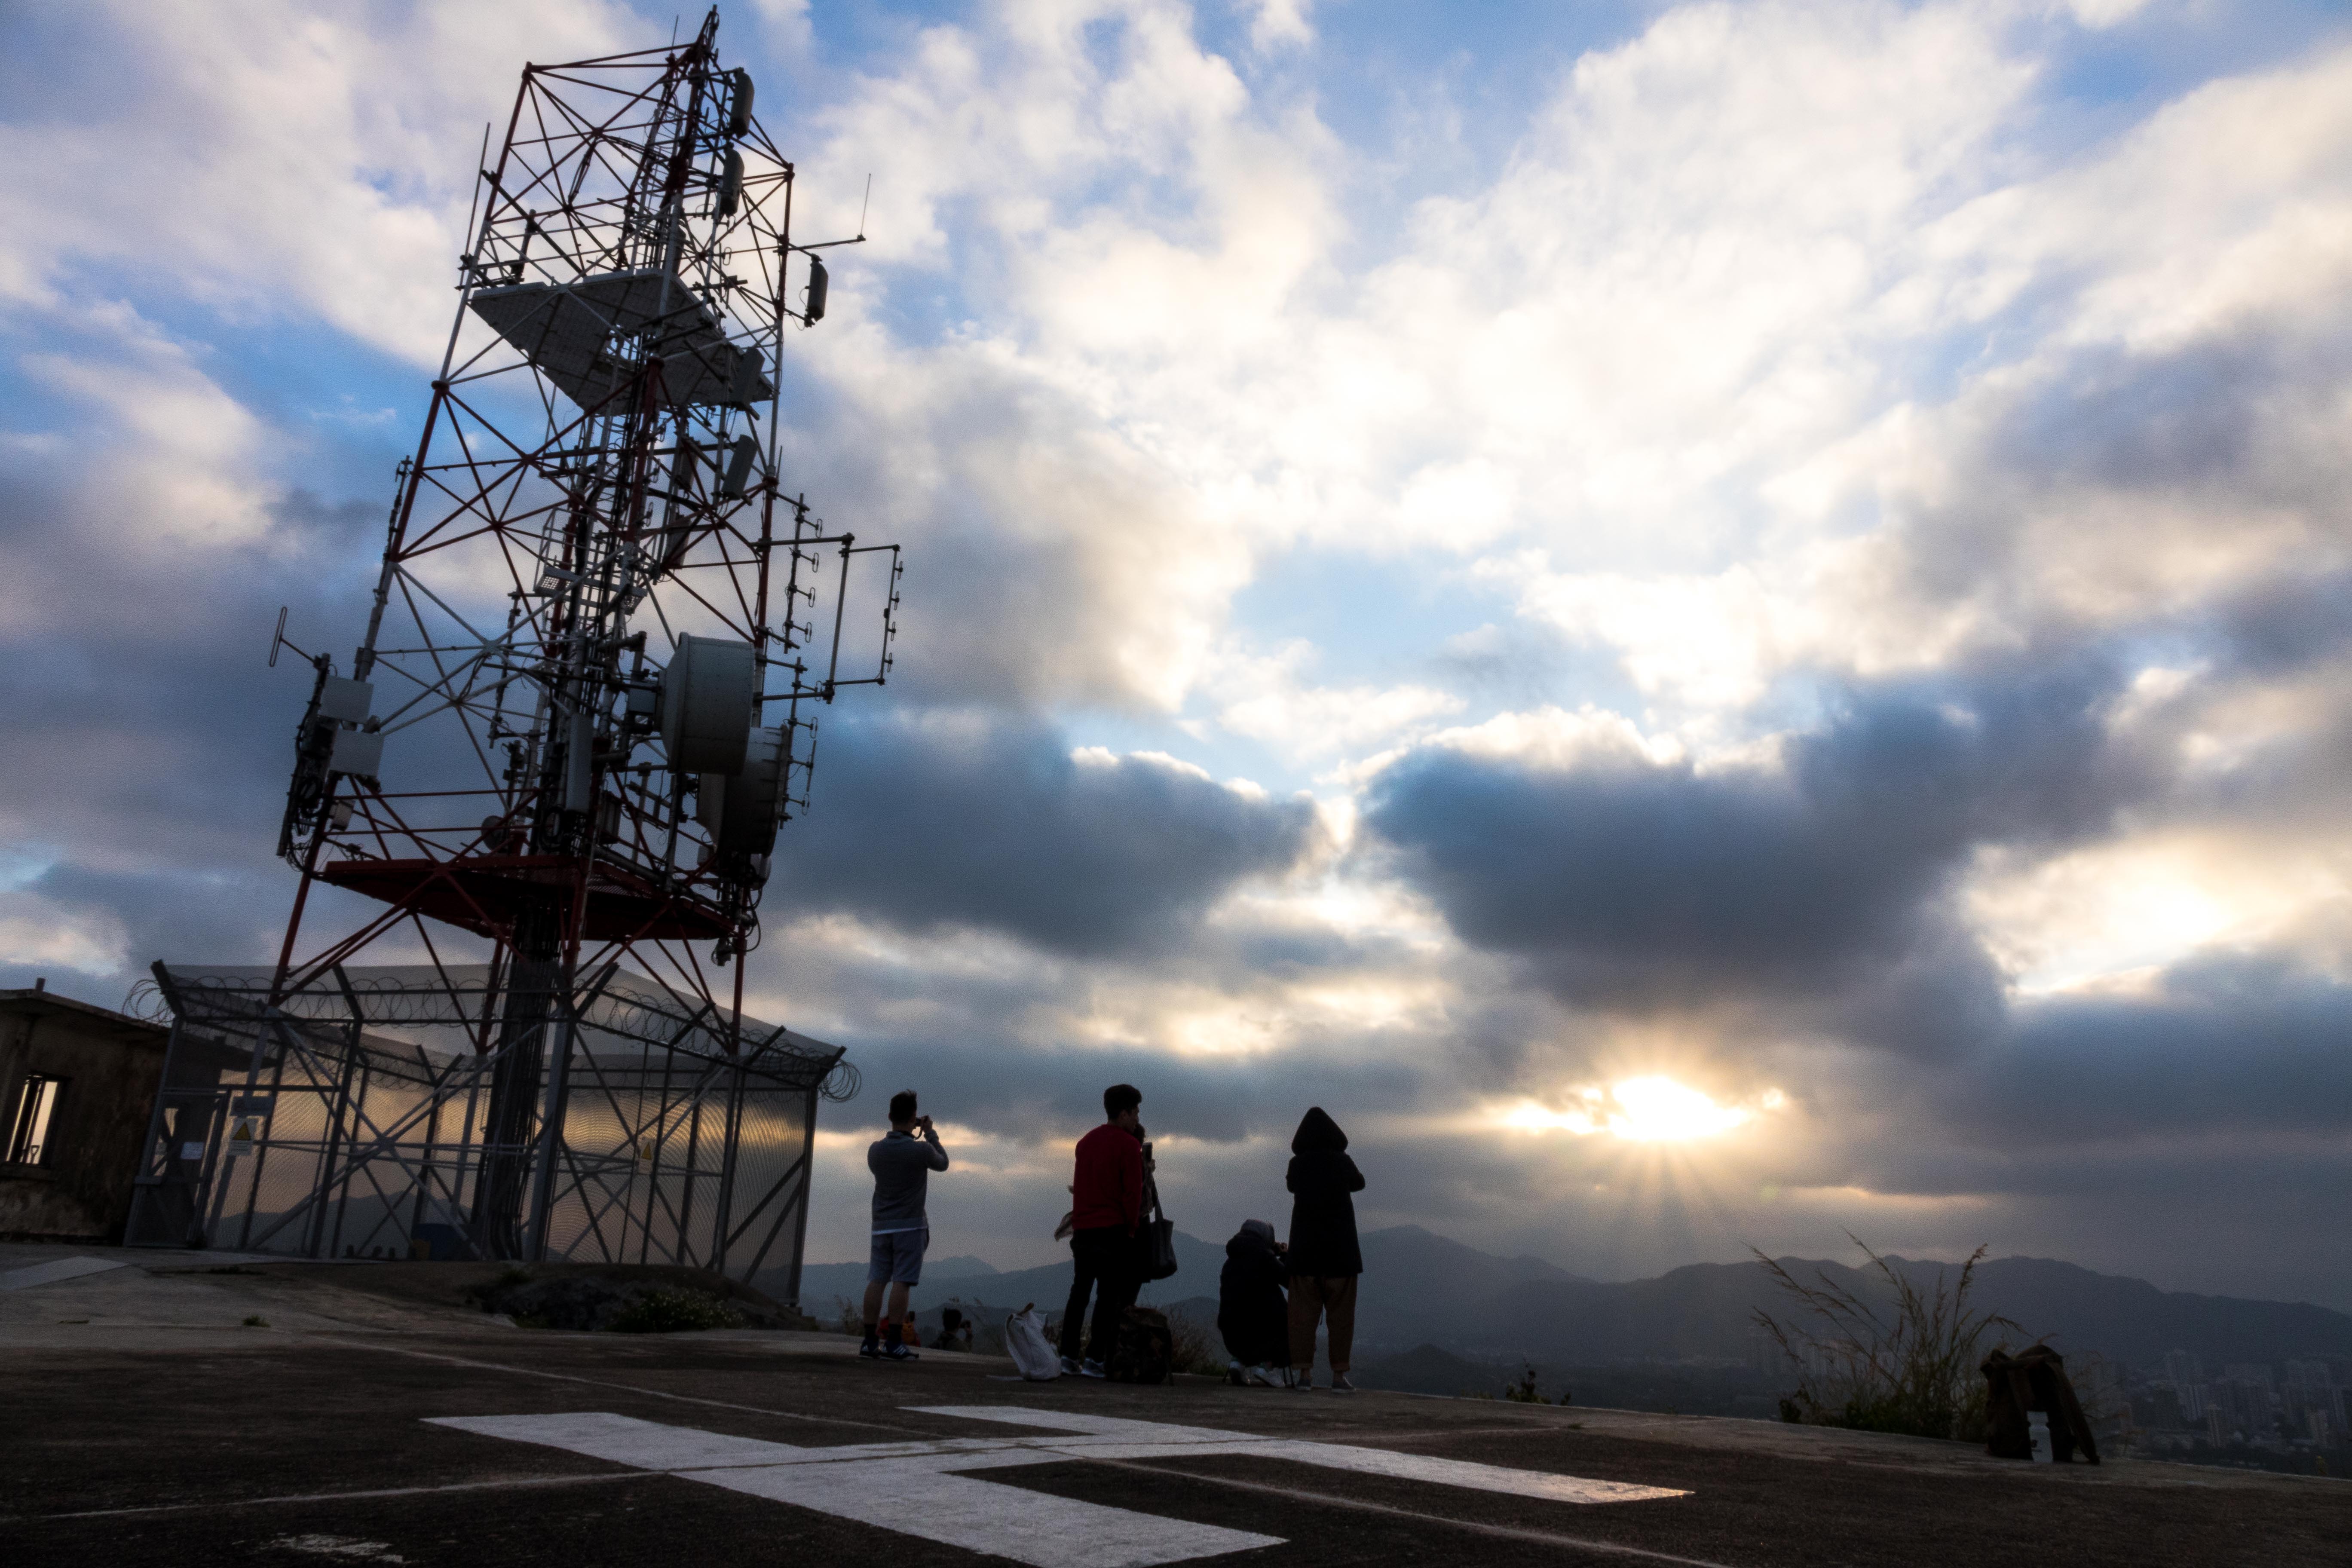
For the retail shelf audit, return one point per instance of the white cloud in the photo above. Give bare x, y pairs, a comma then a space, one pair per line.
1267, 697
1561, 740
40, 931
1276, 24
288, 163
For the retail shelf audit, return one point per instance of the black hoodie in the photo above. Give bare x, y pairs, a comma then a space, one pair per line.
1252, 1277
1323, 1216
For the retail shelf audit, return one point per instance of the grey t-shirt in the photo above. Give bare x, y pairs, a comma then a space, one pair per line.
902, 1164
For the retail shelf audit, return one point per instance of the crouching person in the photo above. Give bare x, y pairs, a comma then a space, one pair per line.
1252, 1314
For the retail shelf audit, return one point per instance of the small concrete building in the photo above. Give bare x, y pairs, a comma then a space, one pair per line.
77, 1087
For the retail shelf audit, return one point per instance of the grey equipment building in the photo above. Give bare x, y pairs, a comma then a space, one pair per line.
77, 1086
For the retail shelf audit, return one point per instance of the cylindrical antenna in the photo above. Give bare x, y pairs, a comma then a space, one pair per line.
739, 114
816, 290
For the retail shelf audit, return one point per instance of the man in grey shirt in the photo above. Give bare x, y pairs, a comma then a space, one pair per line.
902, 1163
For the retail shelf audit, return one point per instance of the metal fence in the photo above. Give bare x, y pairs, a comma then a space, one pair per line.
349, 1120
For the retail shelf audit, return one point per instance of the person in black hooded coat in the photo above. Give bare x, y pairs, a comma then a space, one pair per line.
1251, 1313
1325, 1259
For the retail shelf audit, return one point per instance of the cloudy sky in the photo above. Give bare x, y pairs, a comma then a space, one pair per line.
1713, 623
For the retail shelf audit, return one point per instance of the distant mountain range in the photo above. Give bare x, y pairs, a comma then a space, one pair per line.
1423, 1289
1707, 1311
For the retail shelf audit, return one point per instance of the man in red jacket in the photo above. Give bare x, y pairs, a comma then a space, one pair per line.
1106, 1210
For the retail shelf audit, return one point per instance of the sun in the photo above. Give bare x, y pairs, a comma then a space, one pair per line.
1648, 1109
1658, 1110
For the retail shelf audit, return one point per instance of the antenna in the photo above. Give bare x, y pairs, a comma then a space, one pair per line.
575, 720
864, 204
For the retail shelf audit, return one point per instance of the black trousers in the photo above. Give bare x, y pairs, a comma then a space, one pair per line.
1109, 1269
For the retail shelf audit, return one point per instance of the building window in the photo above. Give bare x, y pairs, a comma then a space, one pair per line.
37, 1108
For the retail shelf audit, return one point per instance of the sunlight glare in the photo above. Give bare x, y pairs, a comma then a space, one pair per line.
1652, 1108
1640, 1109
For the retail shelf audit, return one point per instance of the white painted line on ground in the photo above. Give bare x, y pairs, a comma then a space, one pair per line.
912, 1488
1112, 1437
1476, 1527
626, 1440
58, 1269
1464, 1473
923, 1497
933, 1490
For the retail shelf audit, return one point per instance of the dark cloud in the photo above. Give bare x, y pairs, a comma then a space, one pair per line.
149, 741
1631, 883
2140, 458
1044, 1093
2227, 1042
2280, 626
931, 820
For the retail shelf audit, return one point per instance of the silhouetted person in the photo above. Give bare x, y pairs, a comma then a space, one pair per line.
1251, 1313
902, 1161
1324, 1257
1106, 1205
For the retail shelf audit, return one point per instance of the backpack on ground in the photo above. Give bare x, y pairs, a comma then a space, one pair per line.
1144, 1349
1024, 1342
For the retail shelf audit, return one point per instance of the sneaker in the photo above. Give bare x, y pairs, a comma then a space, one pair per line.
871, 1349
1259, 1376
1340, 1383
1069, 1366
896, 1351
1305, 1384
1091, 1369
1234, 1374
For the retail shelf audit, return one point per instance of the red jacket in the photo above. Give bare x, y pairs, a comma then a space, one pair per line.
1109, 1187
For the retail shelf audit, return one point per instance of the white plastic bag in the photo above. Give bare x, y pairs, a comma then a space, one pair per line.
1024, 1342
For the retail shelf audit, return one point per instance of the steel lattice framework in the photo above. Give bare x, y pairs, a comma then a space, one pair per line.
584, 699
348, 1118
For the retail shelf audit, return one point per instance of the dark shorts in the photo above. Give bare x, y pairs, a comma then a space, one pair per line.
898, 1258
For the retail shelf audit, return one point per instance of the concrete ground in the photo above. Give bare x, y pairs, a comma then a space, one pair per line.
144, 1421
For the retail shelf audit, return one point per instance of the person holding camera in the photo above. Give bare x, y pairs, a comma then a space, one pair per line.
902, 1161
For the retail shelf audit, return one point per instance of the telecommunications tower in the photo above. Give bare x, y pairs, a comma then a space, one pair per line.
582, 707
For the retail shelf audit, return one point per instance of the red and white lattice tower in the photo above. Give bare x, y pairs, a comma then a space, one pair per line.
582, 704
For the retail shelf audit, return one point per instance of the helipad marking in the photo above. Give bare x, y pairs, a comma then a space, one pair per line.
1114, 1438
924, 1489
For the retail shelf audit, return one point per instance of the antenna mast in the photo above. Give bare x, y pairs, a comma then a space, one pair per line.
584, 699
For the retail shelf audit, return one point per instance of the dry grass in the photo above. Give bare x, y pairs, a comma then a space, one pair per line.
1908, 1366
669, 1312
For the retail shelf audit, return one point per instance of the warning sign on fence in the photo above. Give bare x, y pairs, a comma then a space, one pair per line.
244, 1136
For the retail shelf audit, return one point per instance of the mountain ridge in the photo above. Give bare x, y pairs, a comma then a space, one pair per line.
1421, 1288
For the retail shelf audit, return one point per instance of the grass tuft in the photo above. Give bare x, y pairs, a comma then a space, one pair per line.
672, 1311
1909, 1366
